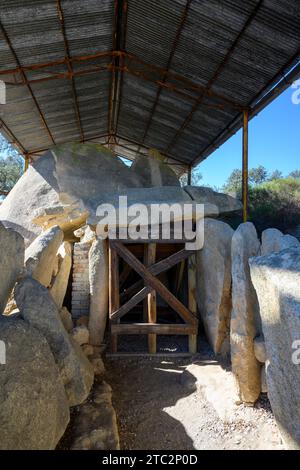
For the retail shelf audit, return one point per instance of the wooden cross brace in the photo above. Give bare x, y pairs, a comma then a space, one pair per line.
152, 285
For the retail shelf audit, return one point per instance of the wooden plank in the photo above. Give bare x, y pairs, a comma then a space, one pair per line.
150, 304
154, 283
192, 300
159, 268
141, 295
155, 328
124, 275
179, 276
162, 250
114, 298
161, 241
121, 355
146, 263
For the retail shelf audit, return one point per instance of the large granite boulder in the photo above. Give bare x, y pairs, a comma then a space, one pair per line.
152, 199
40, 256
154, 171
34, 411
273, 240
276, 279
244, 326
214, 283
39, 309
225, 203
59, 283
98, 277
12, 262
51, 190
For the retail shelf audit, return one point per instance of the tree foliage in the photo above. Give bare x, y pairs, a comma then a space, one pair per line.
295, 174
258, 175
274, 200
275, 175
234, 183
11, 166
196, 178
275, 203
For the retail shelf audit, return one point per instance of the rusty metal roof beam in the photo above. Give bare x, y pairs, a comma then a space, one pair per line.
33, 152
187, 85
13, 138
70, 68
25, 78
113, 77
54, 63
216, 74
121, 59
110, 67
119, 39
173, 50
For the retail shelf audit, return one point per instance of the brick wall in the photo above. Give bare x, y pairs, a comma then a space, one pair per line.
80, 282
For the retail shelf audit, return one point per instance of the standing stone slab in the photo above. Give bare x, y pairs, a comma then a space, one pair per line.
154, 171
245, 314
11, 262
40, 256
60, 282
34, 411
276, 279
214, 283
66, 319
39, 309
98, 276
272, 240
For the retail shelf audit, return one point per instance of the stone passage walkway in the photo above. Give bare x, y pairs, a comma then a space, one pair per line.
185, 404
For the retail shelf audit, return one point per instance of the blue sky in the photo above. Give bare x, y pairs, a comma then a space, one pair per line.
274, 142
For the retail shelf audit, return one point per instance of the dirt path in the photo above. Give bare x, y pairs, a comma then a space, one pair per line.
185, 404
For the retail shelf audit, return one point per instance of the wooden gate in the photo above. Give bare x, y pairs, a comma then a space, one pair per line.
146, 290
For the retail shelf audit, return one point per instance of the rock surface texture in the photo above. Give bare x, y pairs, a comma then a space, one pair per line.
51, 191
66, 319
12, 262
34, 411
245, 314
272, 240
39, 309
98, 276
153, 171
40, 256
214, 283
96, 425
260, 349
224, 202
60, 282
276, 279
80, 334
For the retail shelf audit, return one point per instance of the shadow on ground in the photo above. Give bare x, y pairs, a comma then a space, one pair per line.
151, 387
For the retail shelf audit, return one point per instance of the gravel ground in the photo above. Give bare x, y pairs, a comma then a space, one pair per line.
158, 410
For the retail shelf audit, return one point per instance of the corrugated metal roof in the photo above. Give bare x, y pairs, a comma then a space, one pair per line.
186, 70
